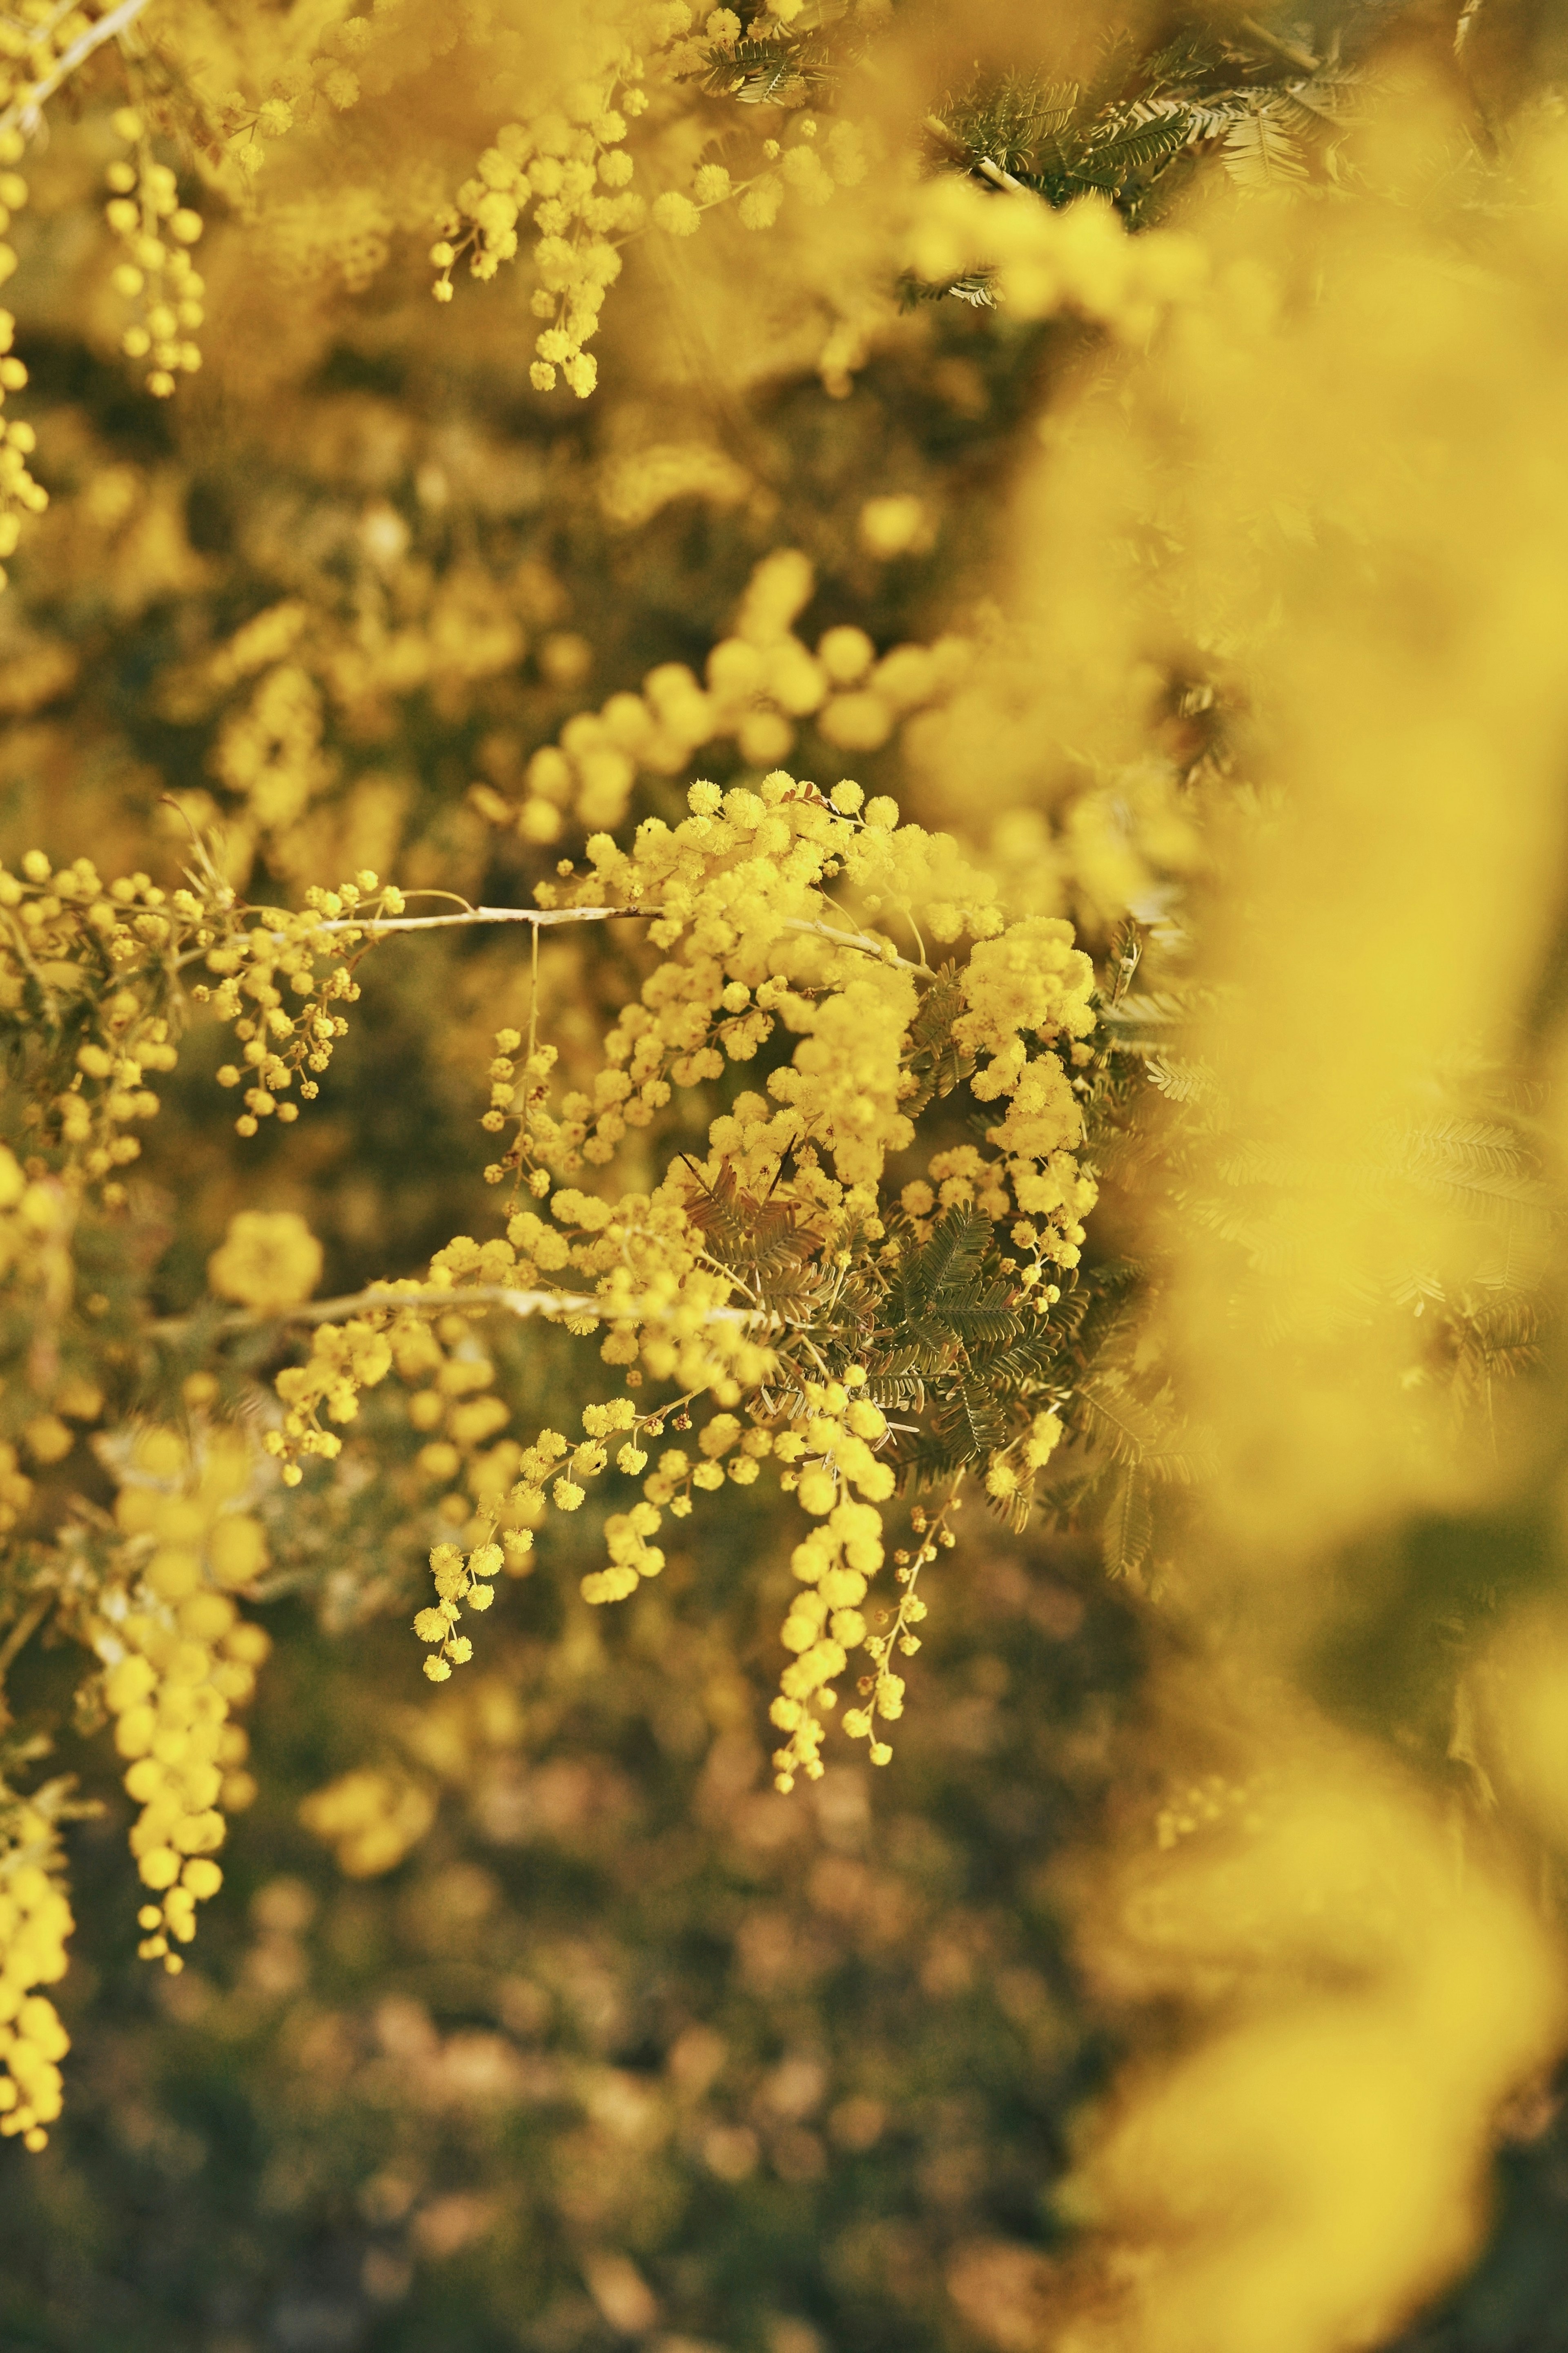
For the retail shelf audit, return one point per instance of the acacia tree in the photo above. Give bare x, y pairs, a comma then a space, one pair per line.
807, 1094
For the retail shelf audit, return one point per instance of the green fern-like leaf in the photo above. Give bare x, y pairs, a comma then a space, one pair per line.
981, 1325
1129, 1525
1135, 1434
946, 1266
1137, 141
972, 1420
1262, 153
933, 1060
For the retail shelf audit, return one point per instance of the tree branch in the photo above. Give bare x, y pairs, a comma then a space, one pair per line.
983, 164
373, 926
535, 915
1291, 51
22, 1632
434, 1298
27, 112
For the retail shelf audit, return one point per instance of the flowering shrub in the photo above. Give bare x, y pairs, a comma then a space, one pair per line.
927, 1050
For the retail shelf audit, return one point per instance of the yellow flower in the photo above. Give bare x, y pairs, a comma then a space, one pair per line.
269, 1258
675, 213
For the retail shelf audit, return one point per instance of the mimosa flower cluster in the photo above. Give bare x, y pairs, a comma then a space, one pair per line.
178, 1657
762, 683
157, 273
370, 1819
35, 1922
626, 120
568, 165
19, 493
343, 659
1043, 261
757, 1303
732, 1277
69, 941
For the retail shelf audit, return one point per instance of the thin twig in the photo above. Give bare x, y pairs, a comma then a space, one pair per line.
373, 926
999, 178
433, 1298
22, 1632
1291, 51
1468, 14
26, 114
376, 924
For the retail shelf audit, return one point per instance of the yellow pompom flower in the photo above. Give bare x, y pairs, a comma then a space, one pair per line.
676, 213
269, 1259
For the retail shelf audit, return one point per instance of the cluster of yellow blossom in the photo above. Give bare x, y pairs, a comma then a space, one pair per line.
19, 493
35, 39
1012, 1468
344, 1359
35, 1921
458, 1580
269, 749
186, 1517
552, 1471
269, 1259
426, 1332
738, 891
37, 1218
145, 213
1032, 984
973, 716
400, 627
762, 681
67, 940
802, 165
568, 164
1080, 258
567, 1472
834, 1563
369, 1819
825, 1448
881, 1690
683, 1281
178, 1657
280, 1047
322, 66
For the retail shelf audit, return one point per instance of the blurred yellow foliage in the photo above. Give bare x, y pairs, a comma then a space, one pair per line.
370, 1819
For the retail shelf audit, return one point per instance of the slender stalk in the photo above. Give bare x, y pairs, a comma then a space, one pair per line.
426, 1299
1291, 51
22, 1632
26, 114
983, 164
998, 177
1468, 14
373, 926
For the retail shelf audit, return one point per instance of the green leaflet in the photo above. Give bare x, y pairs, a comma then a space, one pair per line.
933, 1059
1128, 1526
